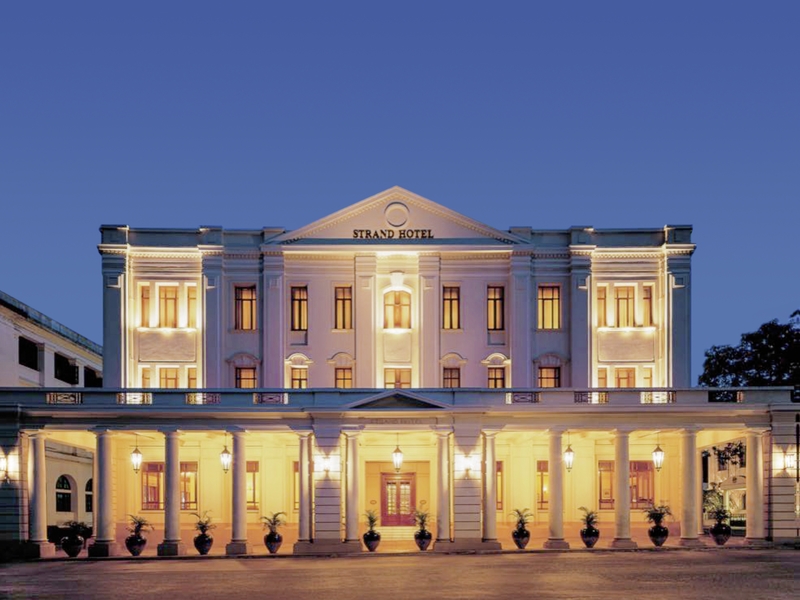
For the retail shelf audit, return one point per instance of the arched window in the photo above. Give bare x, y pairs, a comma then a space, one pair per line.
63, 494
89, 496
397, 310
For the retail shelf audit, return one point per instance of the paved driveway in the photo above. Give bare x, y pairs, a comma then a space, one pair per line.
700, 574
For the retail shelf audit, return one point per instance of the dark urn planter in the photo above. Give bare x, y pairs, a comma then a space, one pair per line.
72, 545
658, 535
590, 535
203, 543
135, 544
721, 532
371, 540
423, 537
521, 537
273, 541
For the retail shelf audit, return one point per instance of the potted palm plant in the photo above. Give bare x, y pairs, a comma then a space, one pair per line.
422, 536
136, 542
589, 534
521, 535
273, 539
203, 541
656, 515
720, 531
371, 537
72, 543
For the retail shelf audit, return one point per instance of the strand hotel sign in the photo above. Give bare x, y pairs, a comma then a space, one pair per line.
396, 215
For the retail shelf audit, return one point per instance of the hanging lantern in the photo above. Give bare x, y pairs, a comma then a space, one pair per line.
225, 457
658, 458
569, 457
397, 456
136, 457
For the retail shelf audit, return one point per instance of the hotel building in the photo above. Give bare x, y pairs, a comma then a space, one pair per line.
501, 369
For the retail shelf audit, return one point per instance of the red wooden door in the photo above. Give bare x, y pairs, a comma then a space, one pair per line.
398, 499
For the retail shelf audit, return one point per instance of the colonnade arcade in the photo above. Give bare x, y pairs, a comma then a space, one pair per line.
325, 475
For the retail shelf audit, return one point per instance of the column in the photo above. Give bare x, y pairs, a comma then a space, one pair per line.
580, 337
430, 306
38, 546
172, 545
520, 318
238, 544
351, 500
555, 513
443, 487
304, 525
104, 526
115, 326
622, 494
490, 488
755, 488
689, 496
273, 319
364, 325
679, 300
212, 330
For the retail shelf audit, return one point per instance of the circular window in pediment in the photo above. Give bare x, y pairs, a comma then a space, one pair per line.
396, 214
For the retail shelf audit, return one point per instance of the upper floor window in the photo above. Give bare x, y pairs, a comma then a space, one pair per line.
647, 377
146, 381
63, 494
624, 306
28, 353
343, 307
299, 321
451, 307
168, 378
397, 310
91, 378
495, 307
549, 307
497, 377
299, 378
625, 377
549, 377
245, 308
397, 378
602, 377
191, 305
65, 369
602, 319
451, 377
647, 306
344, 377
245, 377
191, 377
168, 306
144, 306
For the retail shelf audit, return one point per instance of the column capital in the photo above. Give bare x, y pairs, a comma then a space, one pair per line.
490, 433
442, 432
758, 430
621, 432
687, 431
556, 430
302, 432
352, 432
170, 431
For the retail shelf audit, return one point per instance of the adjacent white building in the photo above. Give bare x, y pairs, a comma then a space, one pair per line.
512, 369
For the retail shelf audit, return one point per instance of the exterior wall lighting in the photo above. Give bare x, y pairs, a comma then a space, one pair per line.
225, 457
136, 457
397, 456
4, 466
658, 456
569, 455
789, 461
326, 463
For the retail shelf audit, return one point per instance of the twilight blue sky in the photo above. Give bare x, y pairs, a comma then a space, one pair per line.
246, 114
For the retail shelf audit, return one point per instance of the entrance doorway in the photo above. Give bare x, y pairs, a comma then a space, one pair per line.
398, 499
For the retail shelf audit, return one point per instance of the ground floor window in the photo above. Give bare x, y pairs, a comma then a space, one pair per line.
252, 485
153, 486
542, 485
63, 494
499, 484
188, 486
89, 496
641, 483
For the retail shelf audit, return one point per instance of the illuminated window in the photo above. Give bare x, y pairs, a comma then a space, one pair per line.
647, 306
153, 486
606, 485
299, 295
397, 310
144, 306
245, 307
397, 378
549, 377
451, 377
296, 485
89, 498
549, 307
625, 378
245, 377
191, 305
498, 487
451, 307
542, 484
343, 308
623, 297
168, 306
168, 378
252, 491
495, 307
188, 486
299, 378
602, 308
641, 483
63, 494
602, 377
146, 377
647, 377
497, 377
191, 377
28, 354
344, 377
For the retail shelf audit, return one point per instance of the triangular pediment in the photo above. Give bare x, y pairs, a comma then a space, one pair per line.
396, 400
397, 216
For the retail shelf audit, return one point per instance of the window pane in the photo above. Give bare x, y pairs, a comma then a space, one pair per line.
397, 310
299, 308
451, 377
168, 306
549, 377
625, 378
602, 320
28, 354
144, 306
343, 310
245, 308
245, 377
191, 305
495, 308
451, 308
647, 306
624, 306
188, 486
344, 378
497, 377
549, 307
168, 378
299, 379
252, 486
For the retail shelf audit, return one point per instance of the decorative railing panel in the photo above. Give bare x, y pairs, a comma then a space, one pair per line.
134, 398
591, 397
667, 397
522, 397
64, 398
736, 396
270, 398
202, 398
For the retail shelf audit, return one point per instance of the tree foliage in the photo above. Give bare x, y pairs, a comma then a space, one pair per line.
767, 357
